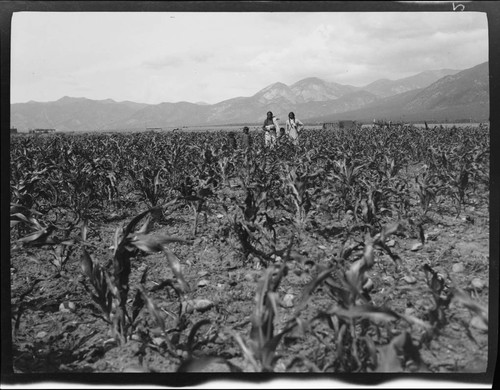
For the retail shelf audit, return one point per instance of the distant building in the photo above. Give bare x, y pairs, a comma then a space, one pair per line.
340, 125
42, 131
13, 130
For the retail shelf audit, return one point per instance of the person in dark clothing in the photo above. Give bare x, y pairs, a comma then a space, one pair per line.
246, 140
231, 140
281, 136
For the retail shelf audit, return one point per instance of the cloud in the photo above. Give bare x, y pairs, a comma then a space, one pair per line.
154, 57
179, 58
169, 61
372, 46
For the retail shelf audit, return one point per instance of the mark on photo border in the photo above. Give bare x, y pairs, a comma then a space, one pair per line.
457, 7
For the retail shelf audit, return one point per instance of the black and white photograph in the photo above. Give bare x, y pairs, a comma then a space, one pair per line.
249, 191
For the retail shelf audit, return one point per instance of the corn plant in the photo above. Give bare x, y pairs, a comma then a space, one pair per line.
99, 278
352, 316
260, 349
196, 192
22, 218
344, 176
60, 256
255, 227
443, 294
428, 188
112, 289
299, 185
225, 168
43, 234
148, 182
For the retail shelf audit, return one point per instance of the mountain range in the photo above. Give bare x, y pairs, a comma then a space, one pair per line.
433, 95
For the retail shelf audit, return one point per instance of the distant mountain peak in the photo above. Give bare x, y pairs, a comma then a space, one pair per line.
309, 80
107, 101
69, 99
314, 89
278, 85
386, 87
275, 91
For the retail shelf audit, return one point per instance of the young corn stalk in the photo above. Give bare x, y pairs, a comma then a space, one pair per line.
149, 184
260, 349
111, 290
401, 195
22, 218
427, 189
344, 177
249, 170
225, 167
60, 256
299, 185
255, 227
368, 207
352, 314
457, 186
43, 235
443, 294
196, 196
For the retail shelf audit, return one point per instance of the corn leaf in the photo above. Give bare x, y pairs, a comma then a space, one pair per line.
463, 298
388, 360
246, 351
175, 265
374, 313
152, 308
193, 332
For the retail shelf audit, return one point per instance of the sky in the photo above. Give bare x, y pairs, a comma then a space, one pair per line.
155, 57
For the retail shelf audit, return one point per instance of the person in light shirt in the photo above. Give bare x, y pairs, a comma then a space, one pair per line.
293, 128
270, 127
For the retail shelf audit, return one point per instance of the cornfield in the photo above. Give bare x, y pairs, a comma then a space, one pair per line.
360, 251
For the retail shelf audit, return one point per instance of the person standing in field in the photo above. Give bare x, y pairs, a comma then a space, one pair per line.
281, 136
230, 142
270, 127
246, 140
293, 128
231, 137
